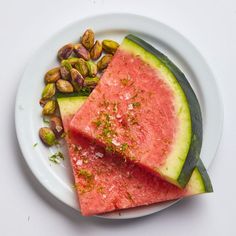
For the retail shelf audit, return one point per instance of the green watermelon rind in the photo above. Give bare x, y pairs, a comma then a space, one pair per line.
195, 111
69, 105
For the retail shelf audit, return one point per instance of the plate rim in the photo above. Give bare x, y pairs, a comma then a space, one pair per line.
76, 22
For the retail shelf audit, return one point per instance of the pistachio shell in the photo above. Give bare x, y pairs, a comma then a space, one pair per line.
47, 136
88, 39
52, 75
82, 67
110, 46
56, 126
64, 86
49, 91
81, 51
76, 79
92, 68
104, 61
96, 50
65, 51
49, 108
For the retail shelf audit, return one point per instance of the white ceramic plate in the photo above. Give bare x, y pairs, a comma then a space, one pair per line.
57, 179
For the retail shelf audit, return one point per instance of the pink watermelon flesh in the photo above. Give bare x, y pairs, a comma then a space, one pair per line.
106, 182
131, 112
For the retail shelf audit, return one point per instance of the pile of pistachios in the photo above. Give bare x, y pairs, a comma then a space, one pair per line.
81, 66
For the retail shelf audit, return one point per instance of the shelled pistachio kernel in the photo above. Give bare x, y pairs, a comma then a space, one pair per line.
66, 64
52, 75
104, 61
49, 108
92, 68
91, 82
65, 51
77, 79
82, 67
56, 126
81, 51
47, 136
96, 50
49, 91
110, 46
64, 86
65, 74
88, 39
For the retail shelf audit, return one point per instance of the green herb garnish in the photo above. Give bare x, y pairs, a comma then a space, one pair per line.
56, 157
136, 104
124, 147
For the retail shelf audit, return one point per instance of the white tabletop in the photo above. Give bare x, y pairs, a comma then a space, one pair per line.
26, 208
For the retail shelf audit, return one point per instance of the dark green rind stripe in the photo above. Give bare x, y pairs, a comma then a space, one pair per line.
195, 111
205, 177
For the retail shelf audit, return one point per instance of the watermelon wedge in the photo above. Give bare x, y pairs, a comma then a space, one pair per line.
106, 182
145, 110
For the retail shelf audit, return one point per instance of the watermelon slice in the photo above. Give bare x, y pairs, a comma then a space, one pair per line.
106, 182
145, 110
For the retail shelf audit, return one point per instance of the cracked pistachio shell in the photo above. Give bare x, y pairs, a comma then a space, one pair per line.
110, 46
64, 86
88, 39
47, 136
96, 50
49, 91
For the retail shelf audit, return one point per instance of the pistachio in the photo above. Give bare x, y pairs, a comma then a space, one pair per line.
96, 50
88, 39
65, 74
81, 51
110, 46
76, 79
91, 82
49, 108
49, 91
104, 61
65, 51
64, 86
82, 67
52, 75
66, 64
56, 126
92, 68
73, 60
47, 136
